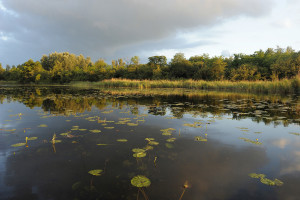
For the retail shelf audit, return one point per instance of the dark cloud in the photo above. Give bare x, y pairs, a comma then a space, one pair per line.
101, 28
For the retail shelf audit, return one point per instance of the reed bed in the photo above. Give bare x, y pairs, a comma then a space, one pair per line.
285, 86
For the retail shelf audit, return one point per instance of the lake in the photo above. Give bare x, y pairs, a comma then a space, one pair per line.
88, 143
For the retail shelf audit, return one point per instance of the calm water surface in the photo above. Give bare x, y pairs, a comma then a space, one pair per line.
208, 141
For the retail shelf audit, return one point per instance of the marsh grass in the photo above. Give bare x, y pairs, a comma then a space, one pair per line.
271, 87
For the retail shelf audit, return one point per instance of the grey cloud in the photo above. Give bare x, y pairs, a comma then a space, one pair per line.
100, 28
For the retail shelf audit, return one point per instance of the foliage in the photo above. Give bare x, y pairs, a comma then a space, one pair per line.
272, 64
140, 181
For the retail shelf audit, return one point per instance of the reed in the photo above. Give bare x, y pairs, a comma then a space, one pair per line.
285, 86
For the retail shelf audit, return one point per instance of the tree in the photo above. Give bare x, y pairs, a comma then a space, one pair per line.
135, 60
157, 60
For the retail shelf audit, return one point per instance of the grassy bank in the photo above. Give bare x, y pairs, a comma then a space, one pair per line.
271, 87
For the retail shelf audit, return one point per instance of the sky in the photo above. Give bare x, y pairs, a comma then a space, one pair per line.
112, 29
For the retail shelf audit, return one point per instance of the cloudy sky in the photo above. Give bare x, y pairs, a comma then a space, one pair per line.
113, 29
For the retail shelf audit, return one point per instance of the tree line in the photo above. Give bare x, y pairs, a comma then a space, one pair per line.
272, 64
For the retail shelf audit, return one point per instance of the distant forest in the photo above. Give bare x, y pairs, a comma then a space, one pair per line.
272, 64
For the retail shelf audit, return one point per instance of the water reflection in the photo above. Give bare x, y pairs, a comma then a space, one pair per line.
90, 123
67, 101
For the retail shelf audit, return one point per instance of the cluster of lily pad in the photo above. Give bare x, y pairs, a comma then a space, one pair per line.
264, 180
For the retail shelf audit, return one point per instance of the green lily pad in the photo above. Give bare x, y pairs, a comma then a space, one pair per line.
139, 155
18, 145
148, 147
171, 139
95, 131
140, 181
200, 139
43, 125
137, 150
266, 181
109, 127
153, 143
251, 141
32, 138
122, 140
96, 172
254, 175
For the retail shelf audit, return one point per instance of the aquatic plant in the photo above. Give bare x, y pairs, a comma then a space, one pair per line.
251, 141
184, 186
122, 140
95, 172
140, 182
43, 125
266, 181
200, 139
95, 131
18, 145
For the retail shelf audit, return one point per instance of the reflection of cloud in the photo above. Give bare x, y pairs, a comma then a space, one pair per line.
293, 166
281, 143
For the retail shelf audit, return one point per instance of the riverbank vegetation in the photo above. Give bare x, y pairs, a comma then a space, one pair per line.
272, 70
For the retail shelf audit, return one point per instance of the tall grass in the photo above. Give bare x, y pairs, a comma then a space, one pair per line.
285, 86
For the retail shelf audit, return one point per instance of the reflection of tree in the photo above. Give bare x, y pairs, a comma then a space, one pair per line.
66, 101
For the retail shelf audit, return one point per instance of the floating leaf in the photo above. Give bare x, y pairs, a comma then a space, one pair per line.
102, 144
109, 127
43, 125
149, 139
153, 143
82, 129
132, 124
18, 145
265, 180
254, 175
95, 131
148, 147
32, 138
200, 139
122, 140
139, 155
137, 150
171, 139
140, 181
251, 141
96, 172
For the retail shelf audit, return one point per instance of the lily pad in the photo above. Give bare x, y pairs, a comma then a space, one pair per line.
171, 139
254, 175
266, 181
95, 131
251, 141
153, 143
18, 145
43, 125
32, 138
200, 139
96, 172
139, 155
137, 150
109, 127
140, 181
122, 140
